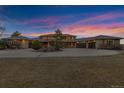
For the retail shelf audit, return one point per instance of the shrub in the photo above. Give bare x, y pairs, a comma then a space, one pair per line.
2, 44
36, 45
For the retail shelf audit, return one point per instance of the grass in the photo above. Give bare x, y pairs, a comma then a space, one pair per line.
106, 71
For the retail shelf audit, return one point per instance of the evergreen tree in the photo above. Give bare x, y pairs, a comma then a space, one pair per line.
16, 34
58, 39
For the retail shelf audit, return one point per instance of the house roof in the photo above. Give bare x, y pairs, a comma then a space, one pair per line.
18, 37
98, 38
62, 40
55, 34
34, 39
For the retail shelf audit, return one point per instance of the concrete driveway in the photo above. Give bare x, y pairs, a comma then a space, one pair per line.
69, 52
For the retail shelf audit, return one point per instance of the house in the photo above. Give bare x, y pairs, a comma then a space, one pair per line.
69, 41
99, 42
17, 42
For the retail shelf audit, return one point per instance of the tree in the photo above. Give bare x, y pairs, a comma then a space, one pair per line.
58, 39
2, 29
2, 44
36, 45
16, 34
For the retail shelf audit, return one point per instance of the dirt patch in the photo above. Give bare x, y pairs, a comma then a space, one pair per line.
107, 71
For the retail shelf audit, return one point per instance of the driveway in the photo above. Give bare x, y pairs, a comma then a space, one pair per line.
69, 52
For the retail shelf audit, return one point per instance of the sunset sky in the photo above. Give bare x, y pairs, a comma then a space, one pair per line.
82, 21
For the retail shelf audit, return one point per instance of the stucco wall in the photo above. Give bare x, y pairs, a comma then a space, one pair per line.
117, 42
24, 44
99, 43
122, 46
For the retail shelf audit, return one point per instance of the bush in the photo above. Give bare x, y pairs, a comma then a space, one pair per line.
58, 46
2, 44
36, 45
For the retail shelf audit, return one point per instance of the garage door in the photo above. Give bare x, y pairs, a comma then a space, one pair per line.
92, 45
81, 45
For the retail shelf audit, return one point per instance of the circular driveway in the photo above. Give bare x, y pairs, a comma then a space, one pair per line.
68, 52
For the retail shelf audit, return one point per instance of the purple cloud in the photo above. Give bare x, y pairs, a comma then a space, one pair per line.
47, 22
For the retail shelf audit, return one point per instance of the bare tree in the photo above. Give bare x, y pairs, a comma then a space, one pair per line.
2, 43
2, 29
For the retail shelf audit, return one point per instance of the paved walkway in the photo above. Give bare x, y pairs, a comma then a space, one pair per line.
69, 52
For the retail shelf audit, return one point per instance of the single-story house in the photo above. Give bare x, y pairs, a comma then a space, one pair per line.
17, 42
99, 42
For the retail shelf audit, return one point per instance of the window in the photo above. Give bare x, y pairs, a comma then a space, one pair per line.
109, 42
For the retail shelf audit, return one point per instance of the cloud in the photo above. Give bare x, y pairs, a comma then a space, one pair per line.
85, 26
37, 34
92, 30
82, 28
45, 26
100, 18
46, 22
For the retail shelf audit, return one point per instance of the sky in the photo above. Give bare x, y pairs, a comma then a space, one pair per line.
83, 20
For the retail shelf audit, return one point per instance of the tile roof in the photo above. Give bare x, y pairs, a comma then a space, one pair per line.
99, 37
18, 37
55, 34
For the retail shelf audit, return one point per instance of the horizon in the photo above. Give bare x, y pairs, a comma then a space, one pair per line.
79, 20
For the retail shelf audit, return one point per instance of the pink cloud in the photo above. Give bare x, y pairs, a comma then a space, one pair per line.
37, 34
92, 30
101, 17
107, 16
80, 28
115, 29
46, 26
48, 20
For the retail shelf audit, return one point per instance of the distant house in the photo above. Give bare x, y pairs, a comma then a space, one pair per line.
99, 42
69, 41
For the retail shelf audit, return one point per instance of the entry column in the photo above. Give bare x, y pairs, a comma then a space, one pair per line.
48, 44
75, 44
87, 45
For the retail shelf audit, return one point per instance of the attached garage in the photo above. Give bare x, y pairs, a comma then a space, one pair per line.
81, 45
92, 45
100, 42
